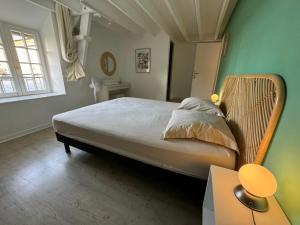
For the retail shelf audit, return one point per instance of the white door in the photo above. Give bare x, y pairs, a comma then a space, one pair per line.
206, 68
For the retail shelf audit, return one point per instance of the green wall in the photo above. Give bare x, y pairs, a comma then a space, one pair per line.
264, 37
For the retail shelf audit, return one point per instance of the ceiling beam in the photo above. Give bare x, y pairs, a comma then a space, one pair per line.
153, 14
123, 12
113, 26
178, 20
85, 31
45, 4
224, 15
105, 8
198, 18
74, 5
132, 11
221, 17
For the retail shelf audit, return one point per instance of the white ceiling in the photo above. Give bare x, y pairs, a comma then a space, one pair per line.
183, 20
22, 13
186, 20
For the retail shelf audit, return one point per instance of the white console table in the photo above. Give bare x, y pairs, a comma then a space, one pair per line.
113, 91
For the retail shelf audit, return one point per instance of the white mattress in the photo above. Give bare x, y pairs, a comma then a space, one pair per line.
133, 127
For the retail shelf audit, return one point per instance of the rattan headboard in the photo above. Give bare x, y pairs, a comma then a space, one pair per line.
252, 105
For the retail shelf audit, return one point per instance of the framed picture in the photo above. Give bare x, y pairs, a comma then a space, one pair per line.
143, 60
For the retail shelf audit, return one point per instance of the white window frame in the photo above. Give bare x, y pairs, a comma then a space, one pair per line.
13, 62
10, 64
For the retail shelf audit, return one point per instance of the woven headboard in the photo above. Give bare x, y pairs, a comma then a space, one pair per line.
252, 105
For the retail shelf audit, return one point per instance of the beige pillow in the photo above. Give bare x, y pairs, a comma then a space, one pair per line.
201, 126
203, 105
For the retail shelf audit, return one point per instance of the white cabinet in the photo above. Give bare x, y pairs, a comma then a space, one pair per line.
114, 91
221, 207
109, 89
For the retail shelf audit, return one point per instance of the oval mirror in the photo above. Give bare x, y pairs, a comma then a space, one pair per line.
108, 63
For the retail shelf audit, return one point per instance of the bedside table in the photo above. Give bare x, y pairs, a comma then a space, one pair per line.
221, 207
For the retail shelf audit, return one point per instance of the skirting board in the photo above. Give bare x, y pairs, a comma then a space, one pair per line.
24, 132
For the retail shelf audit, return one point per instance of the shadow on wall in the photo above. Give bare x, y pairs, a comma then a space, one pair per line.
289, 186
182, 70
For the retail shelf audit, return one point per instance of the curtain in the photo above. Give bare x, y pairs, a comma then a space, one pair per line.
74, 70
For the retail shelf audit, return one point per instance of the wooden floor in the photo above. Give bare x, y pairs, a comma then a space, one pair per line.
40, 184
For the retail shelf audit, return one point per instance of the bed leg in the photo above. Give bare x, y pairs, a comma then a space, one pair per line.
67, 148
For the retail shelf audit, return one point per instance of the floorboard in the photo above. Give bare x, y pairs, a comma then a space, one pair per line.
40, 184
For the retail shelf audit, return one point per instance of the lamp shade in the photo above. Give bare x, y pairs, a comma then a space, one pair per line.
214, 98
257, 180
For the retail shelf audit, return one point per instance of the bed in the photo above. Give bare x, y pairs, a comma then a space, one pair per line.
132, 127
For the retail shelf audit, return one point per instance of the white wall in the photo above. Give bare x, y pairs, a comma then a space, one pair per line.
151, 85
23, 117
103, 40
182, 70
18, 118
52, 54
144, 85
22, 13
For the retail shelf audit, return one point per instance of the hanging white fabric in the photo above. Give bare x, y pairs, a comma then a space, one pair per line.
74, 70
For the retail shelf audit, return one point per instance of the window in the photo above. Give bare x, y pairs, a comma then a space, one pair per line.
6, 81
22, 65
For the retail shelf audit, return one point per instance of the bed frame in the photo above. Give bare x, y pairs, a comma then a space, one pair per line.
252, 104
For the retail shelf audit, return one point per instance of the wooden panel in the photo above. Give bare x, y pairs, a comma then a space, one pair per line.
39, 184
252, 105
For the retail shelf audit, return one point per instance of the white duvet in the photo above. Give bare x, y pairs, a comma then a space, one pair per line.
133, 127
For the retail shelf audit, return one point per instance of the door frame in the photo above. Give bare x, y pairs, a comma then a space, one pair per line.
171, 51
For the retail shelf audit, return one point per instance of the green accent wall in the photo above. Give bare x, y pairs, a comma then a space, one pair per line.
264, 37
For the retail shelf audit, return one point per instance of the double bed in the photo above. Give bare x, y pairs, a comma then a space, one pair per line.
133, 127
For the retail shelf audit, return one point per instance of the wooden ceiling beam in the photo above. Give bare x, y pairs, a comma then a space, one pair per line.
113, 27
103, 7
198, 18
129, 9
153, 14
45, 4
177, 19
74, 5
224, 15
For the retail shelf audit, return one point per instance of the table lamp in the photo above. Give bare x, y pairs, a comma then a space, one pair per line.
214, 98
257, 183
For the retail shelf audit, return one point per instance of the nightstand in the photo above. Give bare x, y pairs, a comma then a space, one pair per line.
221, 207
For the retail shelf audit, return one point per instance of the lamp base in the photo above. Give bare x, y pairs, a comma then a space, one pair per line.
249, 200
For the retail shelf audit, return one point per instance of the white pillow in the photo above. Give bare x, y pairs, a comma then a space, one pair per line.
201, 126
203, 105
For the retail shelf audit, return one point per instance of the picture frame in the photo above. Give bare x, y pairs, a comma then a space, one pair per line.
143, 60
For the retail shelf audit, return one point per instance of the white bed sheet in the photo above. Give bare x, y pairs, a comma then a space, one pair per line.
133, 127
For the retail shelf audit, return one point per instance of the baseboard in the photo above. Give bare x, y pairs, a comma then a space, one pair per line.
24, 132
